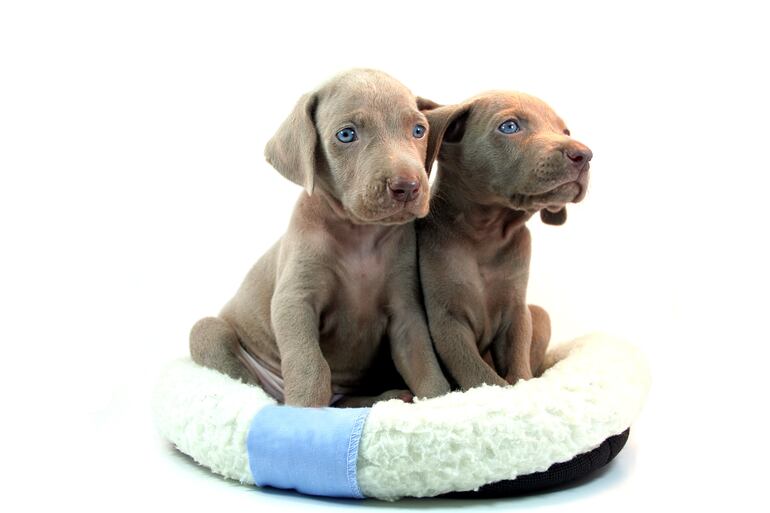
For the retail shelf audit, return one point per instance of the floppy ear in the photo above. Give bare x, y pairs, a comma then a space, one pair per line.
447, 123
424, 104
555, 218
293, 148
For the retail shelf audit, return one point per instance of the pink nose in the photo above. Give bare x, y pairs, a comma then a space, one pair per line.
404, 188
579, 156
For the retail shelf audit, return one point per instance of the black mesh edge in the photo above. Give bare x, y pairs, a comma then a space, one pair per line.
557, 475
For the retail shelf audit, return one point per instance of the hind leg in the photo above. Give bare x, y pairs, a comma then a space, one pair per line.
541, 335
211, 344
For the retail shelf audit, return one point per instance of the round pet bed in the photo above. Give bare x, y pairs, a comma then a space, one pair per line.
489, 441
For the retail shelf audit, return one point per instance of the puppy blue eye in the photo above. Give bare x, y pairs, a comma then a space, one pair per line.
418, 131
347, 135
509, 127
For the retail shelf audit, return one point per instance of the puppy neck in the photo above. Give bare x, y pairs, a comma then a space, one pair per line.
477, 219
325, 212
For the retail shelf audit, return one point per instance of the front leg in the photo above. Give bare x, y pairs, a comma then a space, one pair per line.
305, 371
511, 351
450, 284
541, 335
413, 354
457, 347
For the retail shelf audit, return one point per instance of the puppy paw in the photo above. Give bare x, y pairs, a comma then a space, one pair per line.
404, 395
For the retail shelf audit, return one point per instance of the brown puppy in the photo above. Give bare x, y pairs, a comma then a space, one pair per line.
335, 302
502, 157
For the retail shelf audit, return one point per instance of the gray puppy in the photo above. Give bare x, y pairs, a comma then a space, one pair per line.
325, 314
502, 158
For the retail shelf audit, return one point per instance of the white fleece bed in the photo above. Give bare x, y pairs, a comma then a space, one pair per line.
593, 389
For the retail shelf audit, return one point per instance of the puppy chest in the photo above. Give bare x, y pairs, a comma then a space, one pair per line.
362, 282
501, 292
358, 300
354, 324
353, 331
502, 283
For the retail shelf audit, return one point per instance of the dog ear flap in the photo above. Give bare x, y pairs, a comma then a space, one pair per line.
424, 104
292, 150
557, 218
447, 123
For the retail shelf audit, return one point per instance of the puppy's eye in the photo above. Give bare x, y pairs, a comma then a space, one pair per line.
347, 135
418, 131
509, 126
566, 131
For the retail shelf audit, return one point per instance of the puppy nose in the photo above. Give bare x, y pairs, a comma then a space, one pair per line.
579, 156
404, 188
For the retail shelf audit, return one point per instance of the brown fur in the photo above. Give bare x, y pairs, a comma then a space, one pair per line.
335, 303
474, 247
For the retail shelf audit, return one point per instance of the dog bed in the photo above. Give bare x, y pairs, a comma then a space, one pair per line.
489, 441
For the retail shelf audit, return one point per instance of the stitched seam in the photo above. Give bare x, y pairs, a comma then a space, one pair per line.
353, 443
250, 454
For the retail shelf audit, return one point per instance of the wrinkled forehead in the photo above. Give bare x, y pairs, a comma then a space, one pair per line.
362, 99
502, 105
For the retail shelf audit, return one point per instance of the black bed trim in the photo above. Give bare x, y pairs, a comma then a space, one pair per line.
557, 475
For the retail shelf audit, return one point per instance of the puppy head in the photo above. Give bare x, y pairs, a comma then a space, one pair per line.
511, 149
361, 139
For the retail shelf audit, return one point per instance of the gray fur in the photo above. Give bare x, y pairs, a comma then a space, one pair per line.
334, 305
474, 247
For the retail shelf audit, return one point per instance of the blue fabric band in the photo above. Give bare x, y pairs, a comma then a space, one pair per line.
312, 450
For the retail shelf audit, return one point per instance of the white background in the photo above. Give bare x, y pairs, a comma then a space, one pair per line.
134, 197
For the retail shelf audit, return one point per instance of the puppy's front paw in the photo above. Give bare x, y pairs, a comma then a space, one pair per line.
404, 395
514, 378
436, 388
